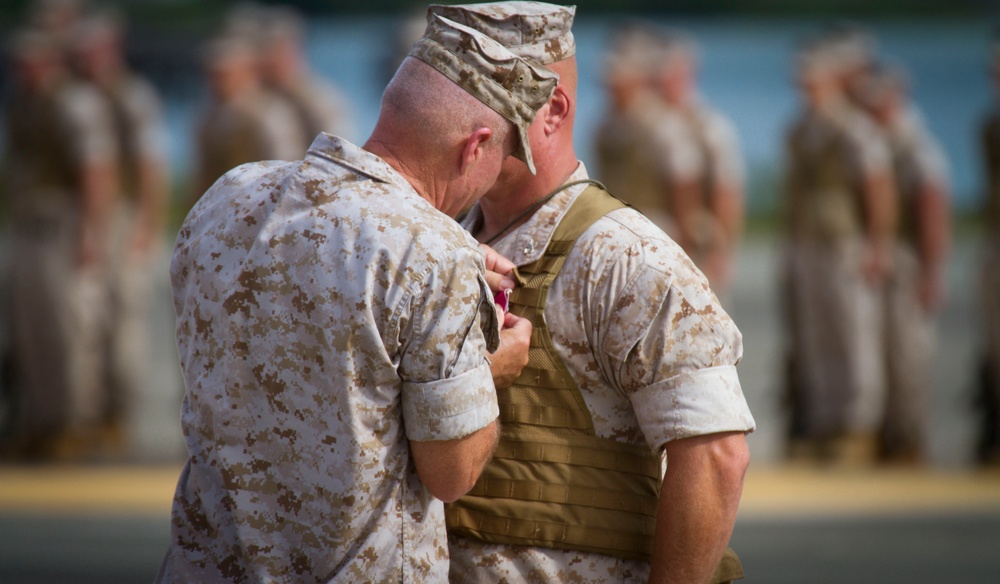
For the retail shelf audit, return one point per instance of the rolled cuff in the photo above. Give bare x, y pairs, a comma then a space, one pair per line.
451, 408
706, 401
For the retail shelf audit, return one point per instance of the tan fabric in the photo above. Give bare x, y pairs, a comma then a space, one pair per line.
322, 324
917, 163
54, 307
909, 347
319, 107
552, 482
538, 31
653, 353
256, 126
139, 130
835, 340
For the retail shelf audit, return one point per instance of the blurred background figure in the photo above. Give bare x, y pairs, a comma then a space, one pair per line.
839, 215
318, 105
702, 163
243, 121
56, 18
914, 288
60, 169
666, 151
988, 448
623, 147
137, 213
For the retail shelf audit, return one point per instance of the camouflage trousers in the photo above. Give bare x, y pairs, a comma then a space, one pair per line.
55, 308
834, 325
909, 361
126, 326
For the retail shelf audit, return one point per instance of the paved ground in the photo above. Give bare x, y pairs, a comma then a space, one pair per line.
109, 523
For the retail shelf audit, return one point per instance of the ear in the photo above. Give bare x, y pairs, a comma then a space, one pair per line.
557, 110
472, 149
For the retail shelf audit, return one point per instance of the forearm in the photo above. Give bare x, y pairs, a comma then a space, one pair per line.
449, 468
697, 506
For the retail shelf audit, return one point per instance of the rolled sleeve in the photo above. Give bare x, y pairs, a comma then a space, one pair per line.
693, 403
451, 408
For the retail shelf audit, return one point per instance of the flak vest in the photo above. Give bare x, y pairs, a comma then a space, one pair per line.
552, 481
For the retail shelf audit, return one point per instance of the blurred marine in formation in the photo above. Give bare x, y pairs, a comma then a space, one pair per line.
266, 103
684, 153
318, 105
137, 213
840, 213
243, 121
60, 170
914, 287
989, 443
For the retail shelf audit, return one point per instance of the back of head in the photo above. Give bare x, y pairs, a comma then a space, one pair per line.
429, 113
476, 65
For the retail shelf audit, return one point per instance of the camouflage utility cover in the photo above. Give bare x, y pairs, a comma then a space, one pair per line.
320, 304
538, 31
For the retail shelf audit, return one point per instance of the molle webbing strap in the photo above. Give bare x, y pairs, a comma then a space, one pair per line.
552, 482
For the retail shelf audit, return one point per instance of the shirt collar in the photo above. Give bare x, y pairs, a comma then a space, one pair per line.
527, 242
344, 153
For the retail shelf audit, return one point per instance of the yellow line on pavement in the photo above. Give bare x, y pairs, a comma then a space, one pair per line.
113, 489
768, 492
803, 491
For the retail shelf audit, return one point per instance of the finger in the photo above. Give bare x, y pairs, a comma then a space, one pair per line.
496, 262
498, 282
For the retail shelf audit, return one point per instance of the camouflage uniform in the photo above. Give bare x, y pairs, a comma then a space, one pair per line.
54, 304
302, 359
917, 161
327, 315
256, 126
137, 114
650, 372
834, 313
695, 146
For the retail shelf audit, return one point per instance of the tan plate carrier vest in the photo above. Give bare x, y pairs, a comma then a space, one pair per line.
552, 482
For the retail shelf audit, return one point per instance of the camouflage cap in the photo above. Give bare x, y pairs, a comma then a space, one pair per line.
511, 85
538, 31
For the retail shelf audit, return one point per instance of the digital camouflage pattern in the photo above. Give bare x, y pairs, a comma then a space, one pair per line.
510, 85
651, 349
326, 314
538, 31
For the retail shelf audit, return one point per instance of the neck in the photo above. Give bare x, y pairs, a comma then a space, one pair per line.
393, 157
510, 203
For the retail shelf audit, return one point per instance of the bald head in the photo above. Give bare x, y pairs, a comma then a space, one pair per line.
433, 112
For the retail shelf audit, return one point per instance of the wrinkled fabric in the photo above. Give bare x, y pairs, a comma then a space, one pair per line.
652, 351
538, 31
326, 314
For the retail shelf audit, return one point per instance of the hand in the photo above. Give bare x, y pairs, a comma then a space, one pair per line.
512, 354
499, 270
876, 263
